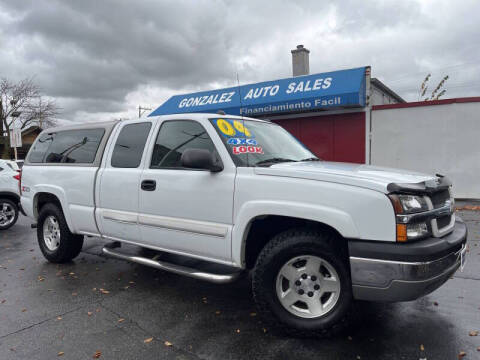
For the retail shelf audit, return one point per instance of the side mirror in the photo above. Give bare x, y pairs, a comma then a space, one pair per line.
200, 159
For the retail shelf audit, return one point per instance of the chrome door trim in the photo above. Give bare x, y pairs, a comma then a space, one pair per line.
165, 222
192, 226
120, 216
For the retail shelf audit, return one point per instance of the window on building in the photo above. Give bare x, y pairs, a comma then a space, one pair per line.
174, 138
74, 146
130, 144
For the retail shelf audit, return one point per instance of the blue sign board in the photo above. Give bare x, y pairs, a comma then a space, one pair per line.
302, 93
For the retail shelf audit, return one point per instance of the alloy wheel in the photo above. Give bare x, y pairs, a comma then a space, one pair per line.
308, 286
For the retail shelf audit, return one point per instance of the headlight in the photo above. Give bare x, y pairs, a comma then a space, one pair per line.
416, 231
405, 205
408, 204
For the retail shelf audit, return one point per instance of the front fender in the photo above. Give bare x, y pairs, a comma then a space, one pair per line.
336, 218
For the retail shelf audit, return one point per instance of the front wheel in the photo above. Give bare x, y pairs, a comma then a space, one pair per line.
301, 283
8, 214
56, 242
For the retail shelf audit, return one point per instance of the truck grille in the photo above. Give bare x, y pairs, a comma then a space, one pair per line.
443, 221
439, 198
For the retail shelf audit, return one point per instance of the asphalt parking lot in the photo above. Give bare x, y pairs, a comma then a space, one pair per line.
102, 308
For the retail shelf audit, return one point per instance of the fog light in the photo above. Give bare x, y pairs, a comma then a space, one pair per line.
415, 231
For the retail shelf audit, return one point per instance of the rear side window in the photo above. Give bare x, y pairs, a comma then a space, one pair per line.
130, 144
174, 138
38, 151
75, 146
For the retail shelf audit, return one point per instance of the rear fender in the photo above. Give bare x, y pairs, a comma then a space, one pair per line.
59, 193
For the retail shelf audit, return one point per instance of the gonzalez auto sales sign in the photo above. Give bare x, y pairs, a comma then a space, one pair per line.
326, 90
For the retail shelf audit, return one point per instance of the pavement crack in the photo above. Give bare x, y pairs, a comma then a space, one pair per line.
39, 323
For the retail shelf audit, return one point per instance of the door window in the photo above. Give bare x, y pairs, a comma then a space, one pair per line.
130, 144
174, 138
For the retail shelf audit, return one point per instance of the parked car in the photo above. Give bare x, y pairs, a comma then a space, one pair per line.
246, 195
9, 194
10, 163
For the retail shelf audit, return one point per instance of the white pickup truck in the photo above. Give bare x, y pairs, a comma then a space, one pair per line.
232, 195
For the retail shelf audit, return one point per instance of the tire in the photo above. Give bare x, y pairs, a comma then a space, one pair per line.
8, 213
56, 242
282, 255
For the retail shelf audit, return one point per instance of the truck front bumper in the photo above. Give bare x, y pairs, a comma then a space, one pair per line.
383, 271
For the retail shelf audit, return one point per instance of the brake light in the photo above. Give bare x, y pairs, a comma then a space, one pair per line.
19, 178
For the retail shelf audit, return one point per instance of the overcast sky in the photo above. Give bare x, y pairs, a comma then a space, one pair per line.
100, 59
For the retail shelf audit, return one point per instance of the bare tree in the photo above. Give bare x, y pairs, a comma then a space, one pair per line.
437, 93
23, 104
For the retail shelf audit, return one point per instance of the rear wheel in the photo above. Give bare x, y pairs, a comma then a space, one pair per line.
56, 242
301, 283
8, 214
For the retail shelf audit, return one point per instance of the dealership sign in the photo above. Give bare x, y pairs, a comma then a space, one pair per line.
344, 88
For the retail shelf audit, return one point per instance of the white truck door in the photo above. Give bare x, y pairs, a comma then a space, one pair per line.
187, 211
119, 182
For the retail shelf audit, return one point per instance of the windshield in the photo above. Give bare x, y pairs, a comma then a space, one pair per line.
258, 143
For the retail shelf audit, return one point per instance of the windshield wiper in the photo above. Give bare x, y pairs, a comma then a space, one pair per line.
273, 161
311, 159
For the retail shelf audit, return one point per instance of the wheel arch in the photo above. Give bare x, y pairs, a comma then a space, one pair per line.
51, 197
263, 228
278, 217
11, 196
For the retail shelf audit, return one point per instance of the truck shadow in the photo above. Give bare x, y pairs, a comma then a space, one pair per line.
207, 318
224, 316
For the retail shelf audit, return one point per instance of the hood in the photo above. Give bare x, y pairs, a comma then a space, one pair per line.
368, 176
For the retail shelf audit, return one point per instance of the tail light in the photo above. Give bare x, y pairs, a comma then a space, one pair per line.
19, 178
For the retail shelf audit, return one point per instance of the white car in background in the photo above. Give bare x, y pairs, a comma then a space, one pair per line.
9, 194
11, 164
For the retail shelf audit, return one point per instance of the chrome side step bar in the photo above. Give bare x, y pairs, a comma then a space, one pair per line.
174, 268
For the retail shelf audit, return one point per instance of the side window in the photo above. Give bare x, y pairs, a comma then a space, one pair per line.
172, 140
75, 146
130, 144
38, 151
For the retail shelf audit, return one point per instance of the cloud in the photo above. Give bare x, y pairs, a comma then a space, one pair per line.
101, 59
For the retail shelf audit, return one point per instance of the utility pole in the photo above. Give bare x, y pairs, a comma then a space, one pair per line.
40, 116
141, 110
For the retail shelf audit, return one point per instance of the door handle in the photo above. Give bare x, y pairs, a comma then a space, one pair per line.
149, 185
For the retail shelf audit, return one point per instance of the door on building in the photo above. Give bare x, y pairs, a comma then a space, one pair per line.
339, 137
